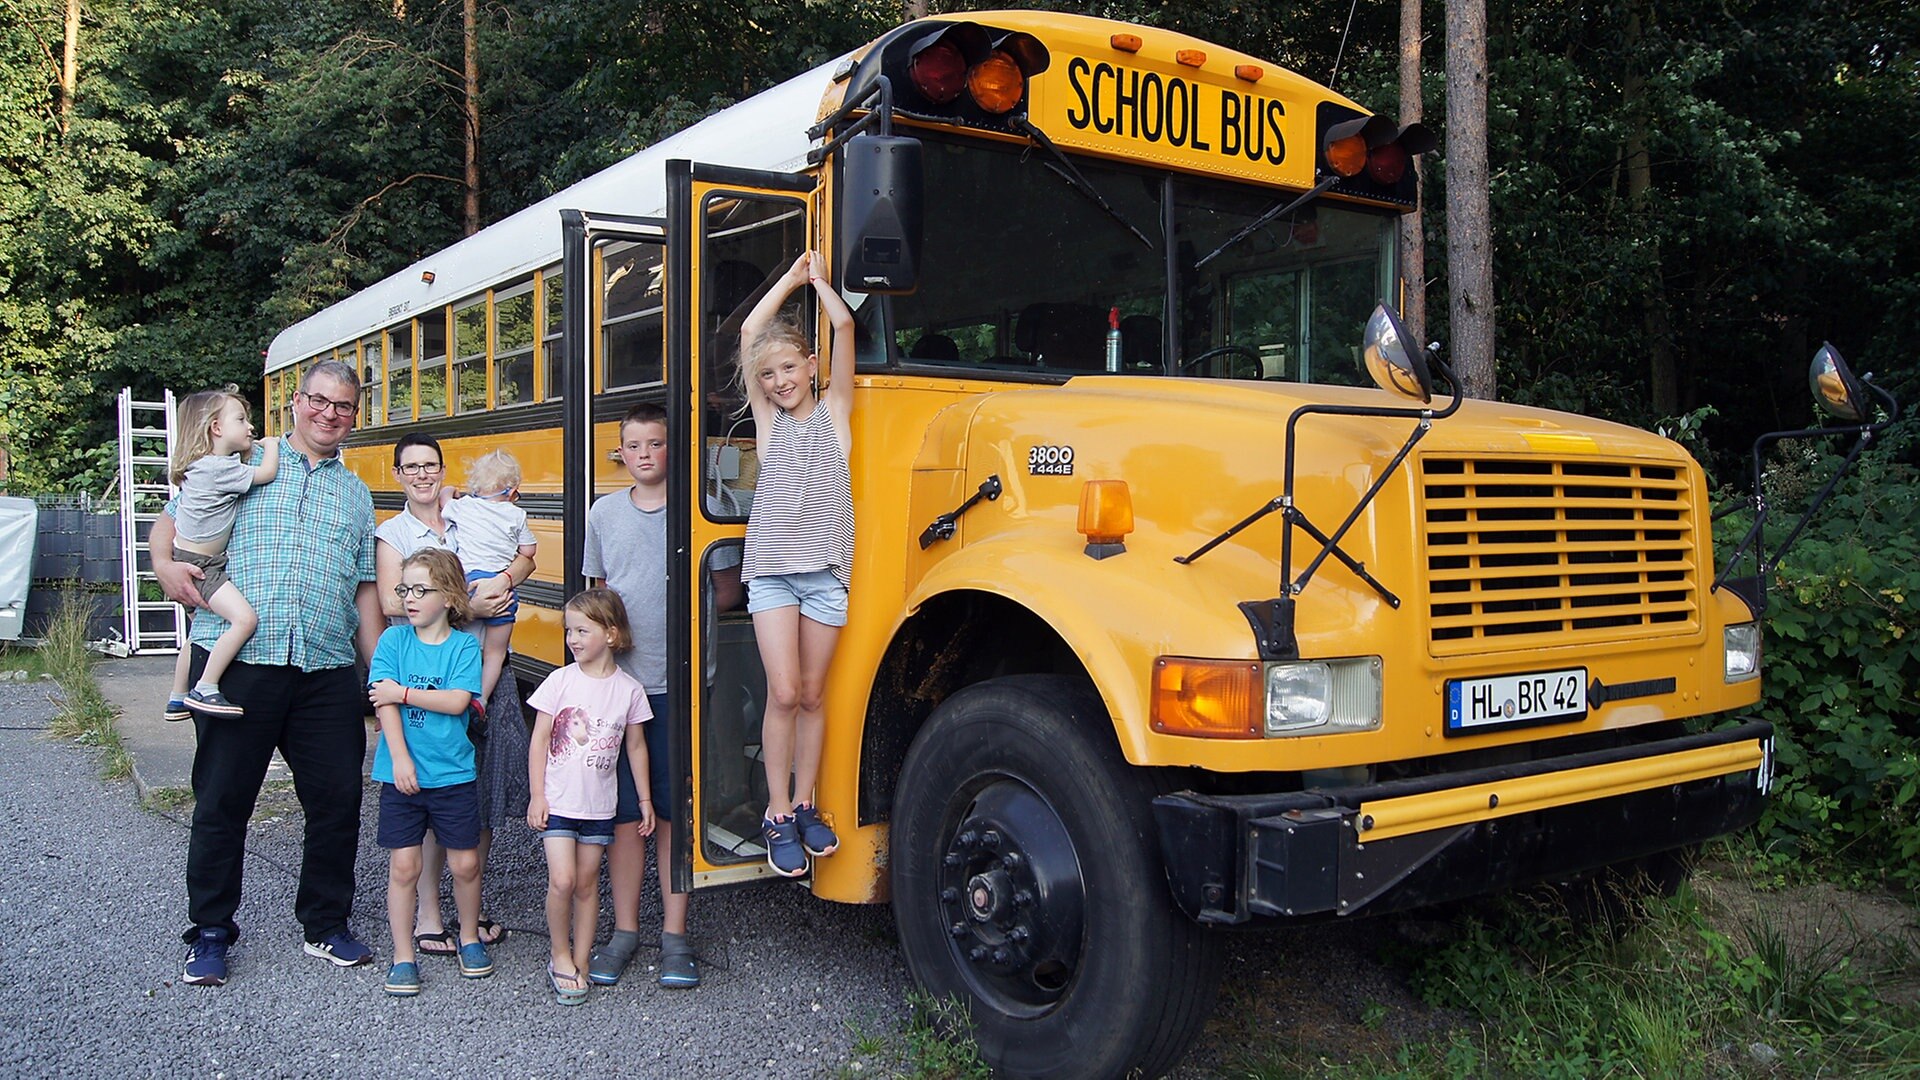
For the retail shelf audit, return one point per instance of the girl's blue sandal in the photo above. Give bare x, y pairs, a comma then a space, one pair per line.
566, 995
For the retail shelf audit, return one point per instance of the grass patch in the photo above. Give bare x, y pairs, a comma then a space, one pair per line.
14, 658
932, 1045
168, 798
84, 717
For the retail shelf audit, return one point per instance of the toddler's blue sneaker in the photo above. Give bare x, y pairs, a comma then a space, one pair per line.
207, 958
341, 949
815, 836
475, 962
403, 979
177, 711
784, 852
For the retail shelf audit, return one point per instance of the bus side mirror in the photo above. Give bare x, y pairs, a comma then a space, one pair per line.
1835, 388
882, 214
1396, 364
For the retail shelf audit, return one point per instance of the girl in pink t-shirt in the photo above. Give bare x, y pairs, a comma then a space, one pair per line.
587, 713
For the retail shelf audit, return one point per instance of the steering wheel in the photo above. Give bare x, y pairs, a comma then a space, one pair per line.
1253, 357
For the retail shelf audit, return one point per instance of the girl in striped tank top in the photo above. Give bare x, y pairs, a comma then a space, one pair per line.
799, 551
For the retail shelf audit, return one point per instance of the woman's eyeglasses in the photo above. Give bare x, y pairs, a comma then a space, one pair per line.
421, 468
418, 592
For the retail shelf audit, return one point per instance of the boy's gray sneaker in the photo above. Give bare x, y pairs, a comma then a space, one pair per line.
610, 960
677, 970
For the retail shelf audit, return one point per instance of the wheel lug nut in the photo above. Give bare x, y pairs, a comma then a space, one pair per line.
958, 930
977, 953
991, 838
1022, 897
969, 838
953, 858
1018, 934
1011, 860
1001, 956
949, 894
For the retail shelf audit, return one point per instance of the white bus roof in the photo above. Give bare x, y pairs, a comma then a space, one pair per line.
767, 131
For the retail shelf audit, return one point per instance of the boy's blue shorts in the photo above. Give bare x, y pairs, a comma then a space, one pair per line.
452, 812
506, 617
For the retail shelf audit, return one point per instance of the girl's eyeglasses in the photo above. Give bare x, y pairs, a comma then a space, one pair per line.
418, 592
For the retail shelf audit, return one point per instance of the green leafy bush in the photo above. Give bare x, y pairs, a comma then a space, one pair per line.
1842, 674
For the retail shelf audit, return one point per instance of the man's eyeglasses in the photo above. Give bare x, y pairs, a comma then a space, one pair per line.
421, 468
418, 592
322, 404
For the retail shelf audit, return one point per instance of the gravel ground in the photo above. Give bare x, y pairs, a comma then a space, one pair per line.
93, 905
91, 912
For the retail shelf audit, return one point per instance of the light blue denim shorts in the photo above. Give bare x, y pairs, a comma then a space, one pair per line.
817, 593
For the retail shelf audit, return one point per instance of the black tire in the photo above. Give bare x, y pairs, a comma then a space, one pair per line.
1028, 886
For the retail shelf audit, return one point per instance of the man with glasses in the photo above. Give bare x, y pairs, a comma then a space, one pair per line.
302, 551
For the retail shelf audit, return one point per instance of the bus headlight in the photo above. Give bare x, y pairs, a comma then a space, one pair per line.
1743, 651
1320, 697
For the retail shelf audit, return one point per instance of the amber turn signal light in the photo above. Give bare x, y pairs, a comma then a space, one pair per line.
997, 84
1207, 699
1347, 156
1125, 42
1106, 511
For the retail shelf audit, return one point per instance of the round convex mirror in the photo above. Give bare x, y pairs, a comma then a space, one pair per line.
1396, 363
1835, 388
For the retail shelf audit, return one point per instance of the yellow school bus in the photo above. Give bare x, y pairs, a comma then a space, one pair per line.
1165, 617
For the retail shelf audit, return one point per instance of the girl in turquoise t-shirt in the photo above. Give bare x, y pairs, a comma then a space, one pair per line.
423, 676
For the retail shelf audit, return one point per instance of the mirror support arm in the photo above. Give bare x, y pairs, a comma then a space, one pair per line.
882, 89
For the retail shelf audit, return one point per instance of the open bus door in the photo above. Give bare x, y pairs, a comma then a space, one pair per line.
743, 228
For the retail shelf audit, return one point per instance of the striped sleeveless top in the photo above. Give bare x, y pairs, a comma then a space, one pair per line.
802, 517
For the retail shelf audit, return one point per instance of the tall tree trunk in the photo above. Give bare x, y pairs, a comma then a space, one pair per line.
1413, 241
1656, 322
1469, 225
470, 15
69, 64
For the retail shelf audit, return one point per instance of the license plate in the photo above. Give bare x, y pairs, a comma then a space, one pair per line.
1541, 697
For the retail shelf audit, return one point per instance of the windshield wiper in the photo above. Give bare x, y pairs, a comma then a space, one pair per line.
1278, 210
1063, 167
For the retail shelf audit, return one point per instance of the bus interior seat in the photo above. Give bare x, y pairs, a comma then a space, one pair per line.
936, 347
1062, 336
1140, 343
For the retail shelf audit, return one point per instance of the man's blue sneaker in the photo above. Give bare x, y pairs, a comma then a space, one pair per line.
784, 852
403, 979
475, 962
207, 958
815, 836
340, 949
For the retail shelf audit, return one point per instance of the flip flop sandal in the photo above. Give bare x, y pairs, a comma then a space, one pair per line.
440, 944
491, 933
565, 995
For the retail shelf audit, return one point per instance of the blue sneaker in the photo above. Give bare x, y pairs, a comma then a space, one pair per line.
177, 711
815, 836
475, 962
784, 852
341, 949
207, 958
403, 979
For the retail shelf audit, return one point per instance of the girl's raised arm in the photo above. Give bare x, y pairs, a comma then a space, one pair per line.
762, 316
840, 317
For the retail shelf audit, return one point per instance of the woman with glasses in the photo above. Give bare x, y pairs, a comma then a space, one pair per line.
420, 471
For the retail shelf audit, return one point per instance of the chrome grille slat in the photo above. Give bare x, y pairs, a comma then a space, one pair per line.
1526, 553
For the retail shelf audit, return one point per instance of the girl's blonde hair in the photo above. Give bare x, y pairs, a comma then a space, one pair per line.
492, 473
605, 608
447, 578
756, 350
193, 420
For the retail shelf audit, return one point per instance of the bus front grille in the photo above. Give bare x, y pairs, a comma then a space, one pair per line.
1530, 553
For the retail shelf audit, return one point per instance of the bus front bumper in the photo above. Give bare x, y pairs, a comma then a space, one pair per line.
1407, 843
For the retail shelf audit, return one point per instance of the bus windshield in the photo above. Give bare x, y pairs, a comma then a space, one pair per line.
1020, 271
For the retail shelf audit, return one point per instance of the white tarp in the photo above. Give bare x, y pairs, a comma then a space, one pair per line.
19, 525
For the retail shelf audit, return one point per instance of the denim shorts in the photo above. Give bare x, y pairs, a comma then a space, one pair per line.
819, 595
628, 806
598, 831
506, 616
452, 812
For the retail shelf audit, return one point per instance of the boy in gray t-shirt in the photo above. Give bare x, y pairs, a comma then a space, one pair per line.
212, 472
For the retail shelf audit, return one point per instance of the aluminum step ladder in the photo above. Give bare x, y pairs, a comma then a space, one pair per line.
153, 624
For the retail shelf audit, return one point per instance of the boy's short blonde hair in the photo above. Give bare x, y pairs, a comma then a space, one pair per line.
605, 608
492, 473
447, 578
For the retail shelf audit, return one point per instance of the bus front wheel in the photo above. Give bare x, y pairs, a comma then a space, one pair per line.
1027, 886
